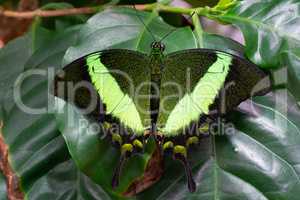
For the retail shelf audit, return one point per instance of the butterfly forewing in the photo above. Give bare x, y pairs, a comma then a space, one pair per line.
181, 73
116, 78
196, 81
243, 81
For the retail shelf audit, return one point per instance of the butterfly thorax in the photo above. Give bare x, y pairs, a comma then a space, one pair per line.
156, 64
156, 57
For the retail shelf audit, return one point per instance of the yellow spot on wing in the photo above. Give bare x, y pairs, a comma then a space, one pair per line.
126, 148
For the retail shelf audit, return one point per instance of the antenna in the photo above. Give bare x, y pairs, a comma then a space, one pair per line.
136, 11
175, 29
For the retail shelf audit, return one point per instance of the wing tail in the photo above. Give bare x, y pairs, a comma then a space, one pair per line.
118, 170
180, 153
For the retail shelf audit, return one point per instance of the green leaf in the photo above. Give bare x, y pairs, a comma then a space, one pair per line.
37, 151
259, 161
66, 182
213, 41
1, 112
13, 57
35, 144
121, 28
225, 4
292, 61
270, 28
53, 48
3, 192
62, 22
102, 158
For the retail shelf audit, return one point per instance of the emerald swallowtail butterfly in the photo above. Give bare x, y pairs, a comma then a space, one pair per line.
172, 97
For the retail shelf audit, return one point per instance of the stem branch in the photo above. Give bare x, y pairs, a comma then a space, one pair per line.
47, 13
198, 30
91, 10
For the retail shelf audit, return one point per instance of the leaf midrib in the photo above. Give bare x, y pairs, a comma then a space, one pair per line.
292, 168
258, 23
144, 30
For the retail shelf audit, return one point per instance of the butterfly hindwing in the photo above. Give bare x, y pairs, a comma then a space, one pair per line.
243, 81
181, 72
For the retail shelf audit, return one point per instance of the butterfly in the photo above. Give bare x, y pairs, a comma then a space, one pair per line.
173, 97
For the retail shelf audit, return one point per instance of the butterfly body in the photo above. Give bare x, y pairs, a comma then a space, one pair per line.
171, 97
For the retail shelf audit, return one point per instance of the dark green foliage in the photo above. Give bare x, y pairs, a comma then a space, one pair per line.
224, 171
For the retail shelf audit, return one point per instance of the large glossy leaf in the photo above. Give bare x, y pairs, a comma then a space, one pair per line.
269, 27
93, 153
291, 60
121, 28
37, 151
65, 182
271, 30
35, 145
62, 22
259, 161
12, 56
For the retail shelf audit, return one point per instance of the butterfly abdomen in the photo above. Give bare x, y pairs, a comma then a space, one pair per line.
155, 65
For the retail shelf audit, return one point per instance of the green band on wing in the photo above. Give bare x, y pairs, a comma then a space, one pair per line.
193, 104
117, 103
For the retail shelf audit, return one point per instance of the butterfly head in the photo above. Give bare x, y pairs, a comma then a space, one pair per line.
158, 47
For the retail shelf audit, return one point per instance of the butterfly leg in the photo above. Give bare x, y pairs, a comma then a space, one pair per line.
128, 148
126, 151
179, 152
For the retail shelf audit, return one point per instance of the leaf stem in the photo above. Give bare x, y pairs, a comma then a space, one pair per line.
180, 10
198, 30
205, 11
47, 13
